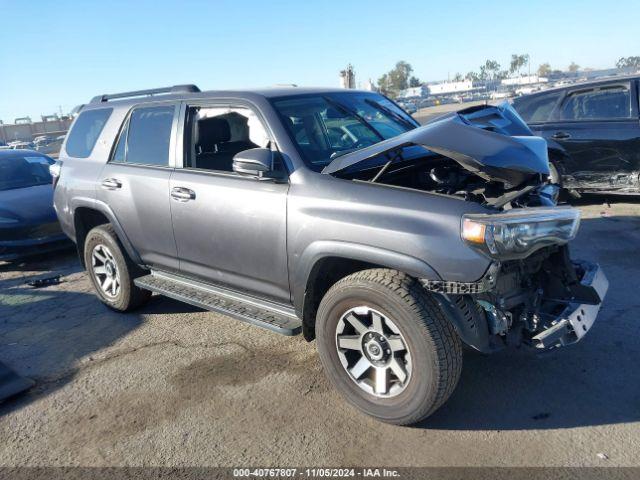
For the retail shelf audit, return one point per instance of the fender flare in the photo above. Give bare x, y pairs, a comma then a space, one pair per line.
103, 208
321, 249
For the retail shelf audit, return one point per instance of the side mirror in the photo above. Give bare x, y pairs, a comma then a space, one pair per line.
254, 162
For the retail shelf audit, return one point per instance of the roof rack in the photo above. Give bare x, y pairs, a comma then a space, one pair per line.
149, 92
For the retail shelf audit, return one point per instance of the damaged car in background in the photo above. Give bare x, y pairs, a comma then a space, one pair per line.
332, 213
593, 132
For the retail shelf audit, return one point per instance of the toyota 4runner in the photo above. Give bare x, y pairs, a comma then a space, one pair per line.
331, 213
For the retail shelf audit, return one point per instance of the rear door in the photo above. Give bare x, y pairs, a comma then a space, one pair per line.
135, 182
597, 126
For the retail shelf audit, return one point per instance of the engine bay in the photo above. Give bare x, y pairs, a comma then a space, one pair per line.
439, 174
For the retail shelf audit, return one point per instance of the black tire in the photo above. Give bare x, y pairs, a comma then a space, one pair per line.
434, 346
128, 296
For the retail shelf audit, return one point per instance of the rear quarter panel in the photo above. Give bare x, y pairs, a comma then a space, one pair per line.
77, 183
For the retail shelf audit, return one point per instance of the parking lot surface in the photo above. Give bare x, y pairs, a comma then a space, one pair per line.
174, 385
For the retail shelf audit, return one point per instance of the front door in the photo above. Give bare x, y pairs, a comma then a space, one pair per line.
135, 184
229, 229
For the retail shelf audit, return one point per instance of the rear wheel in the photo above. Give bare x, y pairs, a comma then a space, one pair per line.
111, 270
387, 347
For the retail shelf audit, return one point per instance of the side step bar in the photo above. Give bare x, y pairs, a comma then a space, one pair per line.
278, 318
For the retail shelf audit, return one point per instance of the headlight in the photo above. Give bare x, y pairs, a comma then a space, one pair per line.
519, 232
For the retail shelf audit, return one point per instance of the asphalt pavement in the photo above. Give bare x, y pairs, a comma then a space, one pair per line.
174, 385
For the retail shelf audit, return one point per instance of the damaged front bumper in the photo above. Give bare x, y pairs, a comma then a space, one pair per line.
577, 318
544, 301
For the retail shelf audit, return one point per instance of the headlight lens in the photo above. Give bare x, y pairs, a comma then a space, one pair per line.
520, 232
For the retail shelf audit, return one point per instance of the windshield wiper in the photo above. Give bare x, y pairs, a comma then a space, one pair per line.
359, 117
390, 113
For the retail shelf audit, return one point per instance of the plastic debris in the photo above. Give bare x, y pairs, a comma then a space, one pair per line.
44, 282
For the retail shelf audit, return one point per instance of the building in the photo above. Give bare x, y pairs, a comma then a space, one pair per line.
25, 130
524, 80
414, 92
348, 77
446, 88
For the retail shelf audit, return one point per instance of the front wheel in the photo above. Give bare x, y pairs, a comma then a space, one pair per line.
387, 347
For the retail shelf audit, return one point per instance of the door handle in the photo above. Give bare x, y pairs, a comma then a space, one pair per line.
560, 136
111, 183
183, 194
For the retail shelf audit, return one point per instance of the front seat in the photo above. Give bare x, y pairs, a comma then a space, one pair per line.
212, 134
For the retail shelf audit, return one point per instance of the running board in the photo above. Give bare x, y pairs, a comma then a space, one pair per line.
278, 318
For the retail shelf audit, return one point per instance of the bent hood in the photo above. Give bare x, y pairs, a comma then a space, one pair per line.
490, 141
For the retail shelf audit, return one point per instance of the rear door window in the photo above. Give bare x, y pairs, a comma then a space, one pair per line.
538, 108
609, 102
85, 132
146, 136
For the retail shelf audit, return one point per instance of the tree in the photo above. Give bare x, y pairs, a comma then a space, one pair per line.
517, 62
574, 67
544, 70
398, 79
489, 71
473, 76
458, 77
628, 62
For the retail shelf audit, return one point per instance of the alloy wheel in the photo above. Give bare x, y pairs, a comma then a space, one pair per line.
373, 352
105, 270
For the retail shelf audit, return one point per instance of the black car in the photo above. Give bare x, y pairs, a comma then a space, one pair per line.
593, 133
28, 222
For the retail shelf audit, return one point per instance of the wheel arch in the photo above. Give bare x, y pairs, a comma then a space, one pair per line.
87, 215
324, 263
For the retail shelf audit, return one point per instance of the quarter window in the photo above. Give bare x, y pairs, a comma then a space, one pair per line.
146, 136
85, 132
598, 103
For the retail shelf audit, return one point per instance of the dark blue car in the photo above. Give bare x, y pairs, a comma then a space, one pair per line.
28, 222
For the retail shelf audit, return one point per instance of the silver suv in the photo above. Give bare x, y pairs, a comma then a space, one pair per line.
331, 213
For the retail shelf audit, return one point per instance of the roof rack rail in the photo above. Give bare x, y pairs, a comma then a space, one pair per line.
143, 93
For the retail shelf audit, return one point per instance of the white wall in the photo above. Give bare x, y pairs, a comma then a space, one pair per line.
450, 87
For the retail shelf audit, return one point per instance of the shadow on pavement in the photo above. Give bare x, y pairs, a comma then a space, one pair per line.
44, 332
42, 262
594, 382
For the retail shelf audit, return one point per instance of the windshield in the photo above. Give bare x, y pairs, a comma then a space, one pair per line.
325, 126
20, 171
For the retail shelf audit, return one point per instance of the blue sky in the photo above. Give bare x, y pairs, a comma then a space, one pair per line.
61, 53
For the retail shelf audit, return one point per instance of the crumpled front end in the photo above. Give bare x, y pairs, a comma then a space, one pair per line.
543, 301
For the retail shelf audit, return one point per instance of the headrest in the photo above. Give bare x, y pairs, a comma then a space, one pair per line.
212, 131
